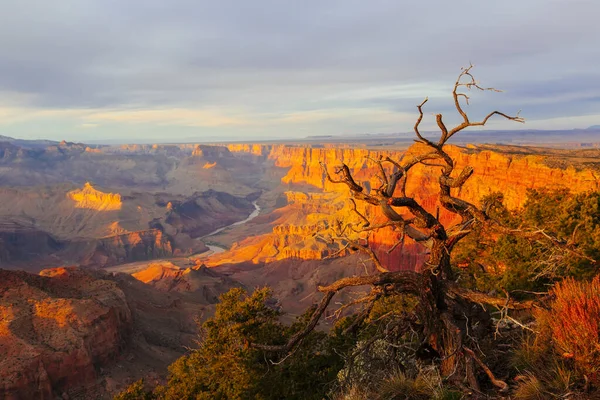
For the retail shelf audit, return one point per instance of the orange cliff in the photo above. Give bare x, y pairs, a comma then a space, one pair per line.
93, 199
57, 328
493, 171
510, 174
298, 237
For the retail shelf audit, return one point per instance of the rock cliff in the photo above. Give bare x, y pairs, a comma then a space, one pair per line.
56, 329
21, 241
211, 152
297, 235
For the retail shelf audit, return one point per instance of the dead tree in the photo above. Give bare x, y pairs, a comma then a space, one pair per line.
447, 313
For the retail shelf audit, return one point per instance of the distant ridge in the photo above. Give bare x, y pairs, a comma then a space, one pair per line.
36, 143
513, 136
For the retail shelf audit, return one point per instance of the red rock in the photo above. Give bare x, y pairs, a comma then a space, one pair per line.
293, 234
57, 327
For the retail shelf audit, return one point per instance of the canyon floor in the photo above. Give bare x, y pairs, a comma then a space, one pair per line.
110, 255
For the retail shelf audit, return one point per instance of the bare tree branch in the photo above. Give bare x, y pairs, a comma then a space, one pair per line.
298, 336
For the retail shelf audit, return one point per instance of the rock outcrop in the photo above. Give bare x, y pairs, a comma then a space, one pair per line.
56, 329
203, 282
93, 199
123, 248
211, 152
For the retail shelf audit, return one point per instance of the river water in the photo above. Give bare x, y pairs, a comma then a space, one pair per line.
131, 268
213, 249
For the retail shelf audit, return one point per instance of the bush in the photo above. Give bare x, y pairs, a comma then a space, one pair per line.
227, 366
516, 263
135, 391
574, 323
426, 385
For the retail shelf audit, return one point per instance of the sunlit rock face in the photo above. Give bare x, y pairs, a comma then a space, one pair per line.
254, 149
93, 199
206, 284
512, 175
297, 235
56, 329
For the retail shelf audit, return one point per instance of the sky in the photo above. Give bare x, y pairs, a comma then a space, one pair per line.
193, 70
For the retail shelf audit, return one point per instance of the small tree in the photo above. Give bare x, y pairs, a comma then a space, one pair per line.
225, 366
574, 323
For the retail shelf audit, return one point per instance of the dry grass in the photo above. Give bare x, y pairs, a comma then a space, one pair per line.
427, 385
530, 388
574, 321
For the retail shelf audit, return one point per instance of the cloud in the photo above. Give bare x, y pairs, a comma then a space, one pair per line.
89, 126
237, 64
172, 116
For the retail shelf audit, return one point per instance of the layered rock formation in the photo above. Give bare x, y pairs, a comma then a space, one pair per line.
511, 174
93, 199
124, 248
211, 152
56, 329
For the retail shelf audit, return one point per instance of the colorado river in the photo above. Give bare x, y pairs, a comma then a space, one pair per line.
130, 268
213, 249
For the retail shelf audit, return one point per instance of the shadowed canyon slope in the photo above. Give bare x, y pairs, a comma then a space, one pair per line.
85, 333
95, 225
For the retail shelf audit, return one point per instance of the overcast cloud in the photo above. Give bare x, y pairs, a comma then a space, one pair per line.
148, 70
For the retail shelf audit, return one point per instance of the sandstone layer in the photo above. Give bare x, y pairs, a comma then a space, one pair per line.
93, 199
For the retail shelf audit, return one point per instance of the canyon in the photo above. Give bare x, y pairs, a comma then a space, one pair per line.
105, 260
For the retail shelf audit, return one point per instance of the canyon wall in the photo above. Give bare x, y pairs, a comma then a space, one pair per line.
511, 174
123, 248
56, 329
22, 242
506, 173
300, 237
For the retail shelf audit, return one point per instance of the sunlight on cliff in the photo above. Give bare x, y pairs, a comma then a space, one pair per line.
301, 226
54, 311
92, 199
